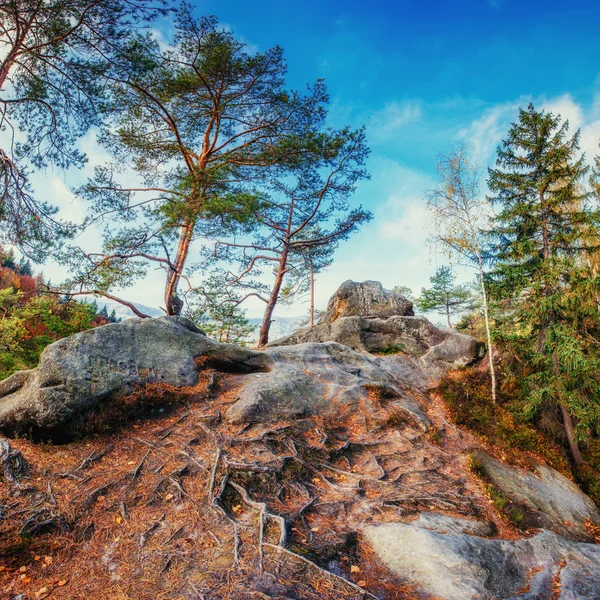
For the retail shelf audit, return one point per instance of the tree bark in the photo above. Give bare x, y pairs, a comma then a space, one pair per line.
263, 338
567, 419
312, 296
173, 304
487, 329
570, 430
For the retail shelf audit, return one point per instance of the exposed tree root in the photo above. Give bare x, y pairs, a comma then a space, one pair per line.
12, 462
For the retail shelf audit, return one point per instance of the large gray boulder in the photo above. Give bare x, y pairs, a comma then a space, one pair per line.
437, 349
78, 372
368, 298
318, 378
452, 559
547, 498
368, 318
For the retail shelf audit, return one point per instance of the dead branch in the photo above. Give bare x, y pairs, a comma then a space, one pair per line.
138, 469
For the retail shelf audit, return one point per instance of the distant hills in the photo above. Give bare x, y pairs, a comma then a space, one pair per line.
281, 326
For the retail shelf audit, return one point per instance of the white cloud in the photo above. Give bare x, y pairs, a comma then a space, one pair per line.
384, 123
568, 109
486, 132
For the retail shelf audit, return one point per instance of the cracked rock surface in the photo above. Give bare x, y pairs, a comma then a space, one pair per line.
548, 498
317, 378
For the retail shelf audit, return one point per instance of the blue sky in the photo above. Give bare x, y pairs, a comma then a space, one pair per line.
421, 75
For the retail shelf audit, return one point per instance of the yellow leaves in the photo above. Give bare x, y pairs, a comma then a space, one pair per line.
23, 569
354, 569
361, 583
41, 593
118, 520
237, 508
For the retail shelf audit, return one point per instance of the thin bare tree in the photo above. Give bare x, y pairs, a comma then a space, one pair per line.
459, 214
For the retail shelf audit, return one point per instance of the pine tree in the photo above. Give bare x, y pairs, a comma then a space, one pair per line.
25, 268
52, 65
544, 229
444, 296
200, 122
215, 307
404, 290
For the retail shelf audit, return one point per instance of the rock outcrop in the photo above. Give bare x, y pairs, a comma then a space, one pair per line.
366, 299
306, 379
548, 499
305, 451
76, 373
453, 559
386, 325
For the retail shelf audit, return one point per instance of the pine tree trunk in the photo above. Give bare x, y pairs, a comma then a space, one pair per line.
10, 59
567, 419
172, 303
263, 338
570, 430
487, 329
312, 296
448, 312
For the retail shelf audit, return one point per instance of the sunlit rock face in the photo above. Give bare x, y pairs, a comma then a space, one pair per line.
368, 298
308, 379
455, 559
368, 318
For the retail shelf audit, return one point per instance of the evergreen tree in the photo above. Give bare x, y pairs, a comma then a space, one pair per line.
544, 230
215, 308
25, 268
444, 296
303, 211
52, 64
404, 290
200, 122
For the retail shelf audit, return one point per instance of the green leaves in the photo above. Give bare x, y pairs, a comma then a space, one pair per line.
542, 240
444, 296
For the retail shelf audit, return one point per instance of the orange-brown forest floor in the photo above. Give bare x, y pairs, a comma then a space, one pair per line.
175, 503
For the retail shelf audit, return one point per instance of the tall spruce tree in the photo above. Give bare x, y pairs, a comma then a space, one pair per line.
544, 229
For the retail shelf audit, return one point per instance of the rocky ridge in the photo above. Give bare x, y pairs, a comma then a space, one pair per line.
312, 470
